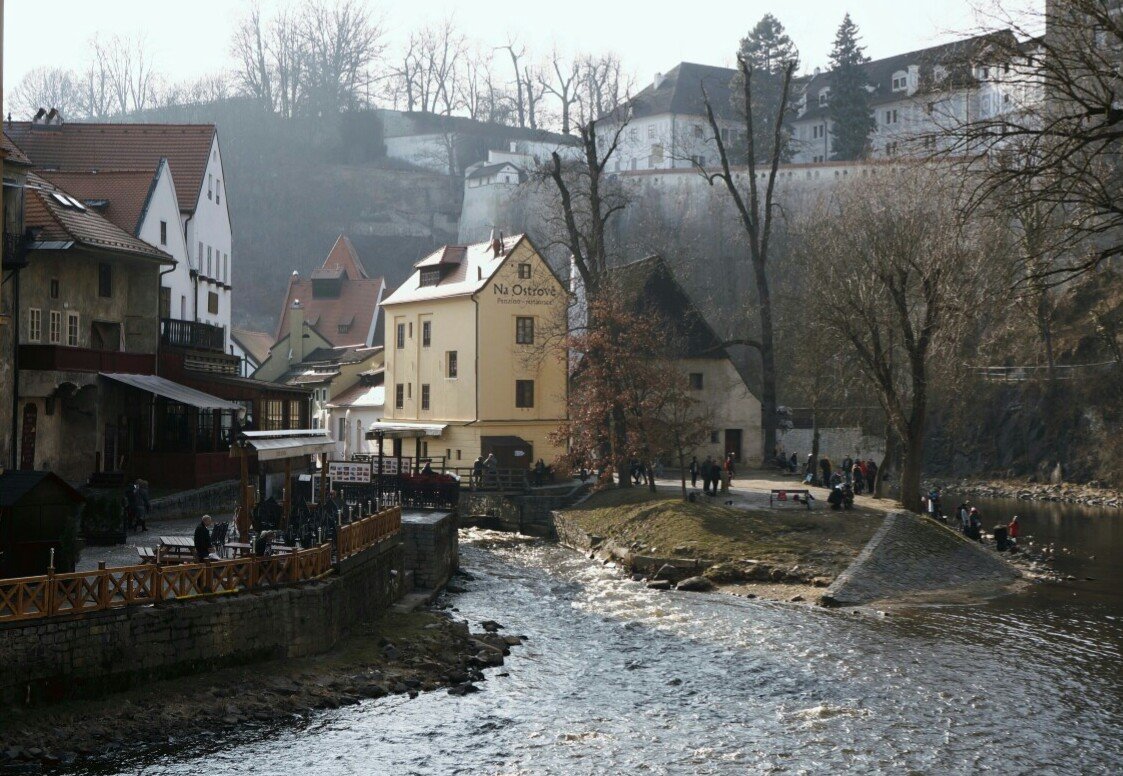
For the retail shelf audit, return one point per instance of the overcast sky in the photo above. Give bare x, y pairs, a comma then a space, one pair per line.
191, 39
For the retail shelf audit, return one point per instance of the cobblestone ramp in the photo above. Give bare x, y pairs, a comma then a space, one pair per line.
911, 554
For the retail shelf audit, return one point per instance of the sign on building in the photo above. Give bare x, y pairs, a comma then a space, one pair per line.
349, 471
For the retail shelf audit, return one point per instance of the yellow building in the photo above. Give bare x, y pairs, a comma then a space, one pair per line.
474, 354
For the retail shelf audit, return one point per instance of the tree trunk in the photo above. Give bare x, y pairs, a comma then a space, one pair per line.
682, 472
886, 462
767, 362
620, 459
910, 472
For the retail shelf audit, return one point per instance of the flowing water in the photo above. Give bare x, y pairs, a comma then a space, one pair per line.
618, 679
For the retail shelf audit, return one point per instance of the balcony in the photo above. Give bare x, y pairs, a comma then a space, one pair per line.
66, 359
190, 334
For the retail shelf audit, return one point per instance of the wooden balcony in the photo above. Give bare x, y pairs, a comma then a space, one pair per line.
191, 334
66, 359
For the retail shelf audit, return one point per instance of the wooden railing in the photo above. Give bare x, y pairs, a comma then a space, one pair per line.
59, 357
355, 537
503, 480
27, 598
192, 334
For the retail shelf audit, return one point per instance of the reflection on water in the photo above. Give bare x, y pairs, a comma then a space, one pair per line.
616, 678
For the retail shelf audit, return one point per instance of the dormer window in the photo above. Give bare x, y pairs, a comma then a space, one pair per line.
430, 276
939, 72
824, 95
900, 81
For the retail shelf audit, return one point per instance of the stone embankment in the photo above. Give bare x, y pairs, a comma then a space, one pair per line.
1090, 494
400, 653
912, 555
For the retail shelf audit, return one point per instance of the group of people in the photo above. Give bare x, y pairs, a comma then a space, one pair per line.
971, 524
857, 474
485, 471
713, 472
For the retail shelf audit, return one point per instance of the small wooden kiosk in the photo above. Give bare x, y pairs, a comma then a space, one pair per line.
286, 445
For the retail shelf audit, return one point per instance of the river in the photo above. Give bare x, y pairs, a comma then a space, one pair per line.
618, 679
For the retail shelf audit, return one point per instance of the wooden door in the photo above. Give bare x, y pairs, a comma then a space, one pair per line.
733, 443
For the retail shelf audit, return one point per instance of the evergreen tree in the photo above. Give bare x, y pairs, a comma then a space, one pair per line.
768, 50
848, 105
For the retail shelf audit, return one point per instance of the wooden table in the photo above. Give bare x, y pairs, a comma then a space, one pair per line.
177, 546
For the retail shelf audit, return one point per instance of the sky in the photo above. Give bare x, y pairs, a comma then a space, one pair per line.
191, 39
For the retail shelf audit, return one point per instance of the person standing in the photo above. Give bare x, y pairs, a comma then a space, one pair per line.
715, 476
491, 467
694, 472
847, 465
825, 467
727, 473
203, 544
706, 475
478, 472
871, 476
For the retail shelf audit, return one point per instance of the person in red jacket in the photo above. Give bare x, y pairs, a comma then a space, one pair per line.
1012, 528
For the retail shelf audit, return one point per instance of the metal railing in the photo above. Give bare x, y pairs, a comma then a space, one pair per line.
1020, 374
192, 334
501, 480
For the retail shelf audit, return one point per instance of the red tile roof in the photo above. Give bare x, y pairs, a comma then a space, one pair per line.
256, 344
85, 147
126, 191
57, 220
355, 308
11, 152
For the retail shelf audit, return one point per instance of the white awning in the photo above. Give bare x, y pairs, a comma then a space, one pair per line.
399, 430
293, 443
174, 391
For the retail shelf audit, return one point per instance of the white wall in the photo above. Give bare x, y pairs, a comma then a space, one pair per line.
834, 443
163, 206
210, 225
676, 134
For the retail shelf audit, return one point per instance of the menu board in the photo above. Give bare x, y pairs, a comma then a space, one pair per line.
349, 471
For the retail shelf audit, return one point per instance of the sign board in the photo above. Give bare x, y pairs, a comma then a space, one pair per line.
390, 465
349, 471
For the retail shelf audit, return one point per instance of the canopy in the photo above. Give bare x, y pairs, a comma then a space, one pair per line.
291, 443
174, 391
401, 430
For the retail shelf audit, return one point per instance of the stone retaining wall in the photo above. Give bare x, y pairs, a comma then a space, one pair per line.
91, 654
431, 547
912, 554
531, 514
218, 500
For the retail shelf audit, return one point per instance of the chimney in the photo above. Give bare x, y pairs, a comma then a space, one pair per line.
497, 246
38, 118
913, 79
657, 81
514, 146
296, 333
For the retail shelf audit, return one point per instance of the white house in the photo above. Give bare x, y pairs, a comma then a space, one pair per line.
667, 126
917, 97
126, 170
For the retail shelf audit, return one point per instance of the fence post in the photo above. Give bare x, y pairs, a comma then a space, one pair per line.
102, 586
158, 580
50, 596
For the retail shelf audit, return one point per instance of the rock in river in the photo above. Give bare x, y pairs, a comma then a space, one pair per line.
696, 585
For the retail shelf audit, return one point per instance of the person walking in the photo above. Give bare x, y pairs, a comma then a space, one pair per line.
694, 472
727, 473
715, 476
871, 476
706, 475
858, 478
825, 467
491, 468
478, 472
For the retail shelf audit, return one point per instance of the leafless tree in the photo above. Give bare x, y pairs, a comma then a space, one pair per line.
560, 79
897, 274
342, 42
124, 65
756, 212
481, 97
289, 62
604, 87
1057, 141
254, 73
46, 87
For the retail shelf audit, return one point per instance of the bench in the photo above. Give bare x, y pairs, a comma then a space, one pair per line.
796, 495
149, 555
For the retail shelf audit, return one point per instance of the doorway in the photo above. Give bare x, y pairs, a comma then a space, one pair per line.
27, 438
733, 443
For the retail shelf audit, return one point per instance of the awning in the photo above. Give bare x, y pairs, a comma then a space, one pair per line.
292, 443
174, 391
399, 430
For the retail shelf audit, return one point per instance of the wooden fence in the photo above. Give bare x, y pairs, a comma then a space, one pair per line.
367, 532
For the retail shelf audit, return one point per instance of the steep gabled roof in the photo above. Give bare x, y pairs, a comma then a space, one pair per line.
652, 289
680, 91
74, 147
11, 152
126, 192
47, 209
14, 485
343, 256
472, 269
256, 344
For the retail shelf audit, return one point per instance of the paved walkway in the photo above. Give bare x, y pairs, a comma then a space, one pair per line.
125, 554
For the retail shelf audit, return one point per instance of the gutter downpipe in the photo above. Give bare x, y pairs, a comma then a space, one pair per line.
15, 369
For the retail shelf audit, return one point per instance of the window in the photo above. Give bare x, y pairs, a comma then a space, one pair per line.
632, 133
34, 324
900, 82
524, 331
409, 390
430, 277
315, 423
656, 154
524, 271
104, 280
411, 329
458, 455
401, 336
713, 437
698, 133
209, 273
698, 160
218, 191
524, 393
210, 186
54, 333
891, 116
54, 288
399, 396
823, 95
72, 329
424, 396
452, 365
426, 333
695, 381
163, 233
342, 429
212, 303
226, 268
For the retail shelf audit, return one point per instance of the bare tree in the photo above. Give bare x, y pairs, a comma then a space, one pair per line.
604, 87
125, 67
255, 69
481, 97
560, 78
342, 41
517, 51
46, 87
1057, 140
95, 97
897, 274
290, 62
756, 213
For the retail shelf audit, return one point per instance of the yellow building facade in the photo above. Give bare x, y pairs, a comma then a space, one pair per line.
474, 352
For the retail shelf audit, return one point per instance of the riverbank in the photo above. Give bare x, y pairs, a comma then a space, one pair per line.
399, 653
737, 542
1090, 494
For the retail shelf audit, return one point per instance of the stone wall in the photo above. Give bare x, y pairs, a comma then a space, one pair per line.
834, 443
531, 514
431, 547
215, 500
911, 554
111, 650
